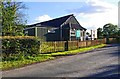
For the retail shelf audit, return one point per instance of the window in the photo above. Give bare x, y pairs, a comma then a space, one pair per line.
72, 31
26, 32
52, 30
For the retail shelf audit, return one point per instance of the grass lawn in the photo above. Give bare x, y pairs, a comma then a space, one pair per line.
11, 64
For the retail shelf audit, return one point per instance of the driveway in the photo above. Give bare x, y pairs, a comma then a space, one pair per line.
102, 62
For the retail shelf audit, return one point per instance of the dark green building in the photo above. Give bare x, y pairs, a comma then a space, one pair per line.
59, 29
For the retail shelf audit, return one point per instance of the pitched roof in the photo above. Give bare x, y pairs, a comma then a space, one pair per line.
57, 22
54, 22
77, 26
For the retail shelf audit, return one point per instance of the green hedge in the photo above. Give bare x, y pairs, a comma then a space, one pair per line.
118, 39
19, 45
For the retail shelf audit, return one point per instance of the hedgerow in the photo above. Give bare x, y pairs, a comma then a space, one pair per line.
19, 46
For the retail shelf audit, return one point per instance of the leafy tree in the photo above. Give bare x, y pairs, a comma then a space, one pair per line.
13, 21
110, 30
0, 18
99, 33
119, 32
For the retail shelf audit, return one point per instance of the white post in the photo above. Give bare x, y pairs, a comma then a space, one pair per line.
84, 35
91, 35
70, 31
36, 31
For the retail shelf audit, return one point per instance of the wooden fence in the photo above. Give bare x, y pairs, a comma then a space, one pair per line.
47, 47
114, 40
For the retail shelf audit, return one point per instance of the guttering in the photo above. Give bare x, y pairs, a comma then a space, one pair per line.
29, 28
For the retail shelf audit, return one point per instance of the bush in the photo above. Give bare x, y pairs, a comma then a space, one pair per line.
19, 46
118, 39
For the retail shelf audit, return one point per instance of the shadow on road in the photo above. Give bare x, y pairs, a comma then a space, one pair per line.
113, 45
116, 52
111, 71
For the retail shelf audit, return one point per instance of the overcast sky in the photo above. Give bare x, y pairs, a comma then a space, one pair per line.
91, 14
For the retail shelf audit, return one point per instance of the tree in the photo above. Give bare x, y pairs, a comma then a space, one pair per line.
99, 33
110, 30
119, 32
13, 21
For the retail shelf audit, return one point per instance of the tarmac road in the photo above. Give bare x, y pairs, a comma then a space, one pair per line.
102, 62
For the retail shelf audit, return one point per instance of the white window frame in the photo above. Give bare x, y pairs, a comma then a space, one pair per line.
52, 30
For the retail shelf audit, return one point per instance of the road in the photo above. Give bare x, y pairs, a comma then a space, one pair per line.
102, 62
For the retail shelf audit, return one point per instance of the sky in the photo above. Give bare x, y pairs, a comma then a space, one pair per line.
91, 14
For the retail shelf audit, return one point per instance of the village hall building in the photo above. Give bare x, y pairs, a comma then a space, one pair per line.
65, 28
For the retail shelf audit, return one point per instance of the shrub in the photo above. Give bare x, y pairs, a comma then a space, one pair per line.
19, 46
118, 39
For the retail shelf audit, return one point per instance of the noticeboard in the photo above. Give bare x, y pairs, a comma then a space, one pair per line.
77, 33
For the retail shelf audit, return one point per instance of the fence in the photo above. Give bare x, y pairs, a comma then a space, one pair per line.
47, 47
113, 40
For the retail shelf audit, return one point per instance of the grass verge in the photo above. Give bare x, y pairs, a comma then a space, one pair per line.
80, 50
6, 65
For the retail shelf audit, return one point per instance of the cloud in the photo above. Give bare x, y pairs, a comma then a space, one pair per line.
49, 0
43, 18
96, 13
88, 8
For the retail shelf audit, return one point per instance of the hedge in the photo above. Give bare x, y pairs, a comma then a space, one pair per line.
118, 39
19, 45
